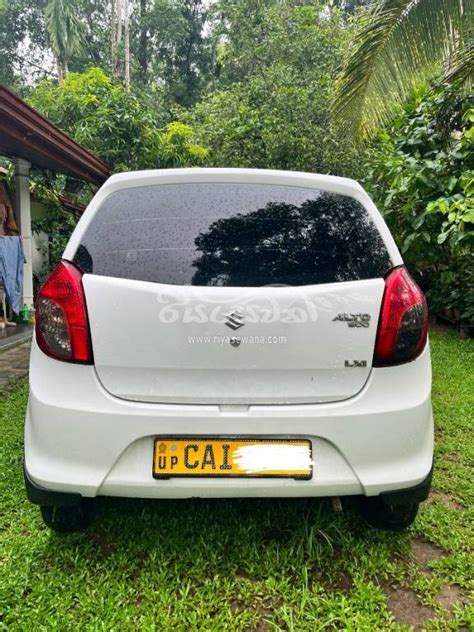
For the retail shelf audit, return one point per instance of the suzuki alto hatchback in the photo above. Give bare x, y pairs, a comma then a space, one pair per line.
229, 333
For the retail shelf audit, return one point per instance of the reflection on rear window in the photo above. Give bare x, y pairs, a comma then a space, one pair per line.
232, 234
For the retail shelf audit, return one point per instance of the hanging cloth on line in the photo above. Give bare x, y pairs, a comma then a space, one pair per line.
12, 259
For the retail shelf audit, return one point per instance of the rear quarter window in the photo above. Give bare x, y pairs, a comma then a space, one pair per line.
211, 234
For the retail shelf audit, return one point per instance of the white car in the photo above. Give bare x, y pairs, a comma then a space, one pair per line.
229, 333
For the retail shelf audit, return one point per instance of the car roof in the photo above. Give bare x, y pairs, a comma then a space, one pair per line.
210, 174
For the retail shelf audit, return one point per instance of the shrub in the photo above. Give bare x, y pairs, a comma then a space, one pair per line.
117, 124
421, 174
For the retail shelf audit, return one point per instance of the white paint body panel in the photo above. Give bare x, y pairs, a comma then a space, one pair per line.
193, 362
91, 429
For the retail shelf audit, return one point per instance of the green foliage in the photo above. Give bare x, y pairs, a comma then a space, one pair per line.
58, 223
178, 148
65, 31
23, 42
421, 172
401, 43
175, 49
277, 65
95, 17
252, 125
118, 125
271, 35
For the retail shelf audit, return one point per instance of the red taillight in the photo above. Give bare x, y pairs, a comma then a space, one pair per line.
403, 323
62, 326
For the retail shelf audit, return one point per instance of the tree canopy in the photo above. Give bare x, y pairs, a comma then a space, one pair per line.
116, 123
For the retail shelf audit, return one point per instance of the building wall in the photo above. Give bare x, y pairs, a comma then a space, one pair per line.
40, 255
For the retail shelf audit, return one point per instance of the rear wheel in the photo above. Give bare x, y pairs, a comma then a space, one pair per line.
383, 515
67, 519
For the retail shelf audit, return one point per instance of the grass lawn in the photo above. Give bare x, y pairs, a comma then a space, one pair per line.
249, 564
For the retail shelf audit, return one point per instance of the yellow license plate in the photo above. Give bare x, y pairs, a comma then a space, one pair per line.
288, 458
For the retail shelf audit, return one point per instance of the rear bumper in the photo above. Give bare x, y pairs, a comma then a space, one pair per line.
416, 494
81, 440
40, 496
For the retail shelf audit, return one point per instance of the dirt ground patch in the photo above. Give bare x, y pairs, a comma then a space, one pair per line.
425, 552
444, 498
449, 596
264, 609
406, 607
103, 545
343, 582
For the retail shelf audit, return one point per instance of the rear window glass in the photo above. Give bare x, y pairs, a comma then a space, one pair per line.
210, 234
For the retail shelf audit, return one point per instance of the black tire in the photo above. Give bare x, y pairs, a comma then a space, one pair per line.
68, 519
383, 515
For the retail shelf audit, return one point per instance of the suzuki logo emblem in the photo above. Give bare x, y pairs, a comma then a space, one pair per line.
234, 320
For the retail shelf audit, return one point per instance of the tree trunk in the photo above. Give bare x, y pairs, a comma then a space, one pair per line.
126, 44
112, 40
117, 28
143, 43
59, 69
119, 11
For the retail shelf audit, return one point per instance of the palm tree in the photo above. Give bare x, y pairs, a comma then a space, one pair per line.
65, 33
402, 44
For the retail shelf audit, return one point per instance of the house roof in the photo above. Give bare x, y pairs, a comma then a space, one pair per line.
26, 134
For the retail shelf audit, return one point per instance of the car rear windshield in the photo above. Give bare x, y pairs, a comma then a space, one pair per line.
211, 234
